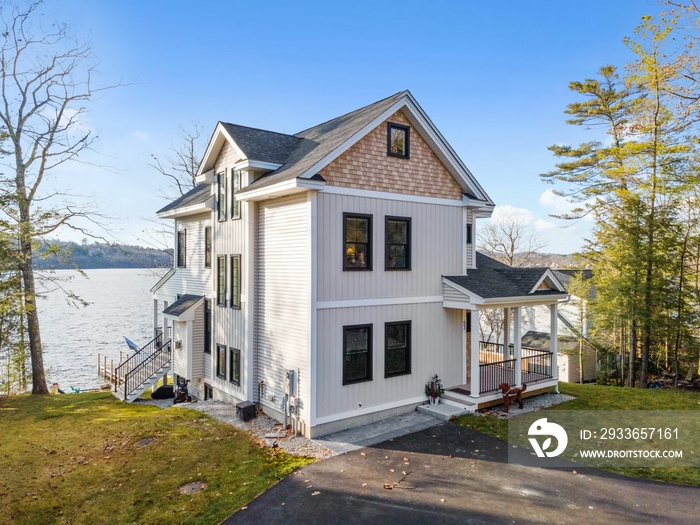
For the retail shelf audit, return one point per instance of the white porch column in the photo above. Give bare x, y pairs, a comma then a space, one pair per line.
506, 332
474, 353
553, 346
517, 351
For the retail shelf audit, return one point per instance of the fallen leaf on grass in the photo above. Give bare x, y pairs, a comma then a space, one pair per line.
315, 493
388, 486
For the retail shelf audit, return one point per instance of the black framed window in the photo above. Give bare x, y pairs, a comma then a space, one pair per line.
221, 361
221, 280
357, 242
357, 353
181, 248
469, 234
235, 188
397, 350
208, 392
234, 371
398, 243
221, 195
207, 326
398, 141
207, 247
235, 281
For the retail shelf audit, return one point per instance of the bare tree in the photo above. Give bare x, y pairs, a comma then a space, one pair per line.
182, 162
510, 239
46, 78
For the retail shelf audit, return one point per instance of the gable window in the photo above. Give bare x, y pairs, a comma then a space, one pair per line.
397, 351
235, 281
357, 353
207, 247
221, 361
234, 371
221, 280
398, 141
398, 243
181, 248
235, 188
207, 326
221, 195
357, 242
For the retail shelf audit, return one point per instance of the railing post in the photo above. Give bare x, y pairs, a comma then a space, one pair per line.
517, 350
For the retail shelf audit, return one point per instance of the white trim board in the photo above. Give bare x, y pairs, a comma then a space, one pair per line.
380, 301
372, 194
369, 410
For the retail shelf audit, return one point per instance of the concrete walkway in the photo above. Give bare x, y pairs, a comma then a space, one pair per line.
373, 433
448, 474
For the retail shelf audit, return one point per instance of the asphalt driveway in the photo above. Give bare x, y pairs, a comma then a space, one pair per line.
448, 474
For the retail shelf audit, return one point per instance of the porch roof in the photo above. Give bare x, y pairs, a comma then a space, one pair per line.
493, 282
183, 309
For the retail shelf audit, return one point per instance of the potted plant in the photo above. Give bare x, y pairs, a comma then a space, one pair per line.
434, 389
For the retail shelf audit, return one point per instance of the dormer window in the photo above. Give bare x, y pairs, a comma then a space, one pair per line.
398, 141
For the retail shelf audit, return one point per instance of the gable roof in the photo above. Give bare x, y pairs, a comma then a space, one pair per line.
259, 144
494, 280
565, 276
319, 141
198, 195
303, 155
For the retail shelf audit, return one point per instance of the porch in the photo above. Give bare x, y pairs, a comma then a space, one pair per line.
492, 298
536, 366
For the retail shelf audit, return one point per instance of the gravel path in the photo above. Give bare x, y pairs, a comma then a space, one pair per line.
531, 404
258, 427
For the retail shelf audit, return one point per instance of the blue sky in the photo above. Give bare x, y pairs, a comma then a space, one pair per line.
493, 77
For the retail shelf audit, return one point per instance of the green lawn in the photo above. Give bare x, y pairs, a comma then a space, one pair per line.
74, 459
594, 397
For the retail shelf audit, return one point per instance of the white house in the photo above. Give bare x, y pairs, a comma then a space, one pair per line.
327, 275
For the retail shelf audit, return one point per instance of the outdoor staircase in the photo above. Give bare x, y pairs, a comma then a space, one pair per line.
142, 370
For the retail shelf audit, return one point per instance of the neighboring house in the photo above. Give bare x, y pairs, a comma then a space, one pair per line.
575, 355
327, 275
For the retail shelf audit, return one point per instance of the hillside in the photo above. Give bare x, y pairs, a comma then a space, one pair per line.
59, 255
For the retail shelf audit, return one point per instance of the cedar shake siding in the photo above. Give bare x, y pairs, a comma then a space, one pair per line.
366, 166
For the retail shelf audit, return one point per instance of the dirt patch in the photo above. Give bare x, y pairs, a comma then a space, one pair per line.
192, 488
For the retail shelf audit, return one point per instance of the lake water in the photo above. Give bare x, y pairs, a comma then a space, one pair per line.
120, 305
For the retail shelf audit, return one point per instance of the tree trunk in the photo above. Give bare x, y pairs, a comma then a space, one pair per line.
39, 385
632, 354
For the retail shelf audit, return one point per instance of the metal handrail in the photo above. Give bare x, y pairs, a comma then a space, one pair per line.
146, 368
136, 359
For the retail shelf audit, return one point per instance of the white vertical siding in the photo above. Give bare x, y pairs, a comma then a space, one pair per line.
198, 343
179, 355
282, 296
436, 248
229, 324
436, 348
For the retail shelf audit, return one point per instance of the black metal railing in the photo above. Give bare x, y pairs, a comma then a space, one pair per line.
146, 368
493, 374
492, 352
536, 366
135, 360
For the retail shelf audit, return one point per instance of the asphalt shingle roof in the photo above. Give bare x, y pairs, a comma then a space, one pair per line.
540, 341
198, 195
262, 145
315, 143
183, 304
492, 279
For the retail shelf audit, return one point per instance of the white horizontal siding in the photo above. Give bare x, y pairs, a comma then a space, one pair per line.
436, 248
282, 293
450, 294
436, 348
194, 278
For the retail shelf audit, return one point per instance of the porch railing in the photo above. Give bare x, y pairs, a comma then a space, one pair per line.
493, 374
535, 366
